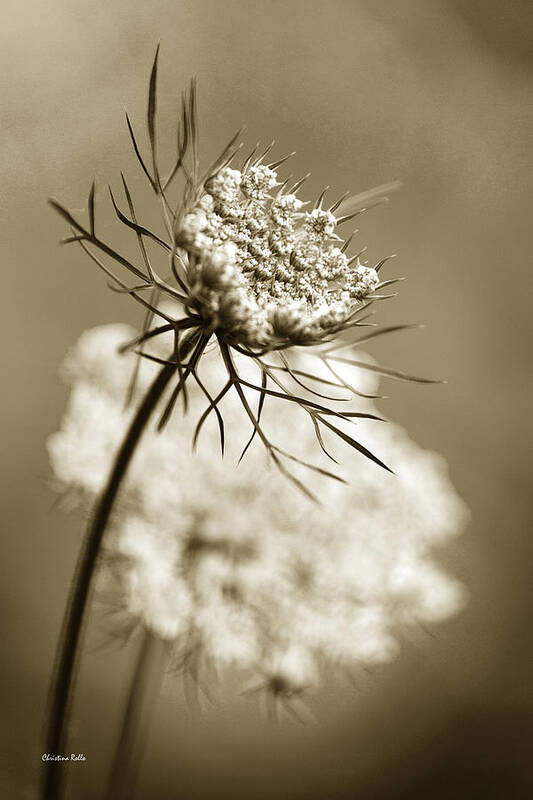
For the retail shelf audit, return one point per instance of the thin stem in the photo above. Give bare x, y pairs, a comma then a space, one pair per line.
143, 691
72, 628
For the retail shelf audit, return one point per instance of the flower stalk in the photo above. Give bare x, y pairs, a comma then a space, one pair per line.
70, 639
152, 657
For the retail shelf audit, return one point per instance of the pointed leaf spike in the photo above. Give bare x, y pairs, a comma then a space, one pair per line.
193, 122
320, 198
62, 211
389, 373
227, 154
265, 152
335, 206
354, 443
248, 160
280, 161
258, 417
383, 261
283, 186
348, 241
139, 229
151, 113
91, 207
299, 183
347, 217
138, 152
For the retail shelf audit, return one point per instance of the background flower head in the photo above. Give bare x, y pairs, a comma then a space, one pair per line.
228, 561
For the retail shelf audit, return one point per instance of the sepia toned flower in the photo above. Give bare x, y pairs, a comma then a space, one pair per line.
228, 563
251, 296
247, 265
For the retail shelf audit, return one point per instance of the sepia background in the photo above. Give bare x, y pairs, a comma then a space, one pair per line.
433, 93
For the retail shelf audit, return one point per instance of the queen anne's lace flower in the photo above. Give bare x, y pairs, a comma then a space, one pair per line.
257, 181
229, 562
283, 257
224, 185
229, 565
363, 281
320, 224
247, 265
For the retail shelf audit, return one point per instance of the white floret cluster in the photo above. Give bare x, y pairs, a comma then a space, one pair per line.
284, 278
235, 563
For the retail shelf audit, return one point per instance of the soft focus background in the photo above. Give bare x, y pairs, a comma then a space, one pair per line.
431, 92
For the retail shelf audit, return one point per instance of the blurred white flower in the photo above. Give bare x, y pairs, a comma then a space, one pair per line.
232, 558
80, 453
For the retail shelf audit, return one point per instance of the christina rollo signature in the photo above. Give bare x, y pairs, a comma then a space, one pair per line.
71, 757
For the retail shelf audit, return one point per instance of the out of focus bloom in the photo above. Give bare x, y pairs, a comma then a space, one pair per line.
228, 563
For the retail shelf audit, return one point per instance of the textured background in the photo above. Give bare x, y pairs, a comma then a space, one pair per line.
431, 92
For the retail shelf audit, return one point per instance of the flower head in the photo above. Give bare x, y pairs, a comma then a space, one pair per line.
281, 259
257, 181
223, 186
244, 266
228, 565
